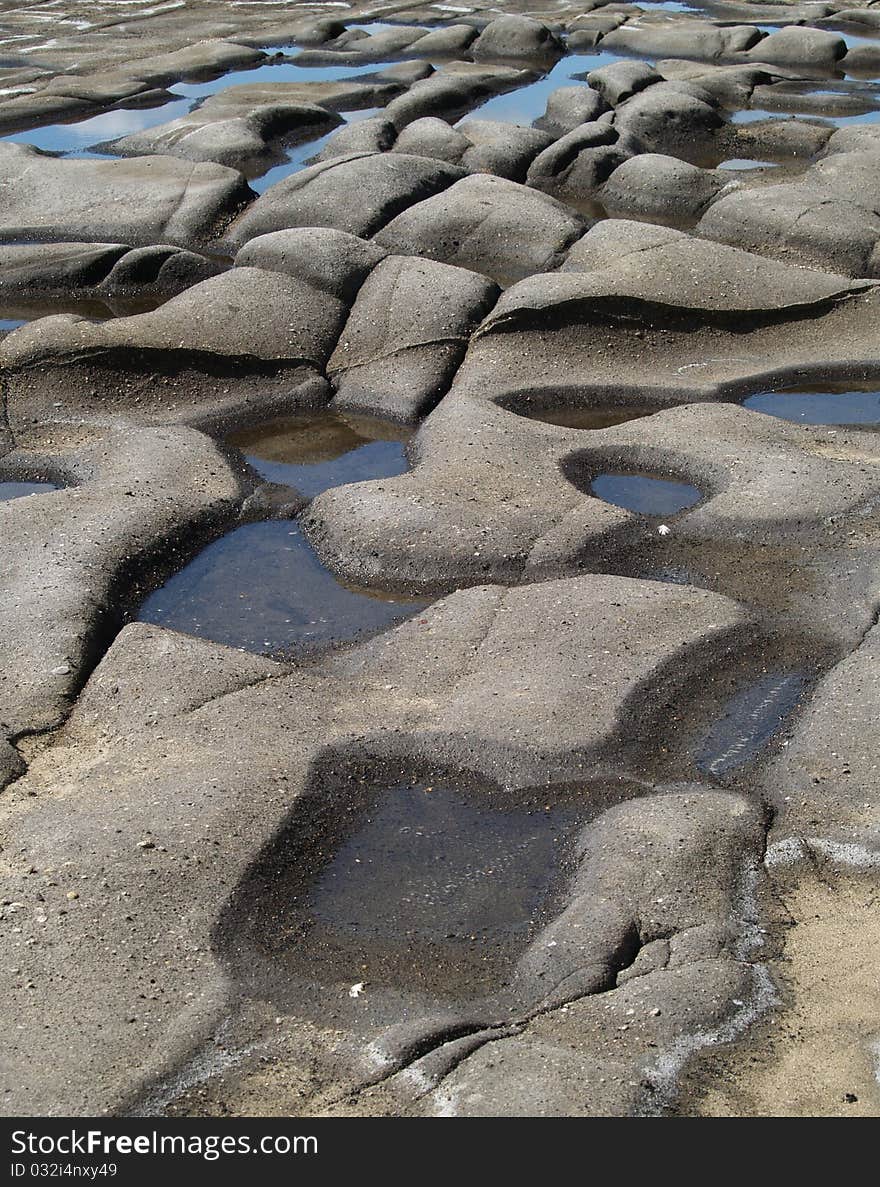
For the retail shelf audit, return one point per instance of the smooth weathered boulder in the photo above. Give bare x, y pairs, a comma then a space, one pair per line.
504, 149
454, 91
619, 81
488, 224
664, 119
828, 219
145, 200
575, 166
405, 336
433, 137
794, 46
242, 141
100, 269
663, 188
358, 193
682, 39
569, 107
247, 337
76, 555
331, 261
529, 687
362, 136
514, 37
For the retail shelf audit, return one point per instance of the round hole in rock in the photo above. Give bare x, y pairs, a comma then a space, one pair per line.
569, 415
643, 494
262, 588
18, 490
829, 403
316, 452
424, 890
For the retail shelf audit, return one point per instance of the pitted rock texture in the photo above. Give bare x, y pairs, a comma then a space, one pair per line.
538, 309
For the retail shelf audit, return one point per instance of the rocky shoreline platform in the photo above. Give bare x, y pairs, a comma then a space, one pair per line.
440, 502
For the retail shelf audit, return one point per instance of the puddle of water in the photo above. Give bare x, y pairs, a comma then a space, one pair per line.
262, 588
313, 453
749, 720
18, 313
298, 157
76, 138
427, 888
585, 418
643, 494
668, 6
737, 163
837, 121
529, 102
830, 404
18, 490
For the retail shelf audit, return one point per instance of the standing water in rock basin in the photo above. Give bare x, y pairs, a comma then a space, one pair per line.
515, 754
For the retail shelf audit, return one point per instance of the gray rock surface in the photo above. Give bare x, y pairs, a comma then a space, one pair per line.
141, 201
183, 362
359, 194
405, 336
487, 224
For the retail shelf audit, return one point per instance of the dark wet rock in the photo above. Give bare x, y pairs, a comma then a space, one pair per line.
663, 119
405, 336
683, 39
69, 550
100, 268
454, 91
511, 38
794, 46
432, 137
358, 193
363, 136
332, 261
217, 133
569, 107
187, 361
621, 80
660, 187
574, 167
488, 224
140, 201
826, 220
506, 150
